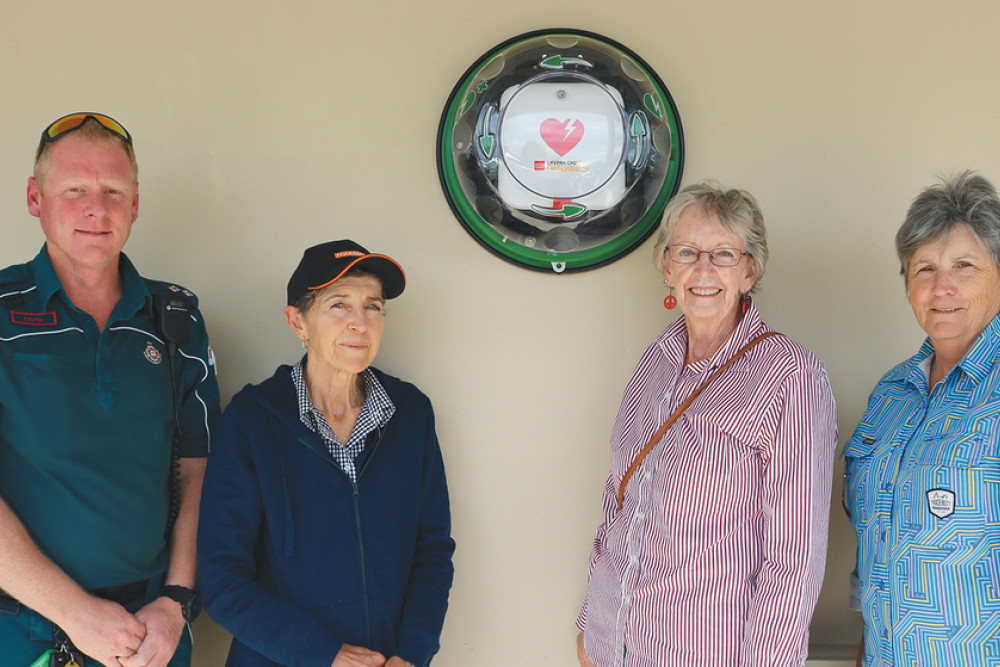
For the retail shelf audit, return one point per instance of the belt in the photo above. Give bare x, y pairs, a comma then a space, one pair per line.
123, 594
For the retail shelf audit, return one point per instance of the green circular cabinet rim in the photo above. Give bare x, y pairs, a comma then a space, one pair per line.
482, 173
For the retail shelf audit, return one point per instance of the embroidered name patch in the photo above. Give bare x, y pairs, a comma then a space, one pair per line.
941, 502
34, 319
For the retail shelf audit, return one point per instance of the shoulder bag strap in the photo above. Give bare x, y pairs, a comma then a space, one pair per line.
680, 410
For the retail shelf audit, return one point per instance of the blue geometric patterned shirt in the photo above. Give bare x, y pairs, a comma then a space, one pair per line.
923, 491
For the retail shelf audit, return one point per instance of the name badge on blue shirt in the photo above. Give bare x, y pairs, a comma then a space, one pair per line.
46, 319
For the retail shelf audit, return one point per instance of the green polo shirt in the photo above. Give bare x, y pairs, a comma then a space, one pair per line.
86, 422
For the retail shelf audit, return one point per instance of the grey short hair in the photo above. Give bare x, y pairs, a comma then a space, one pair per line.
305, 302
966, 199
738, 212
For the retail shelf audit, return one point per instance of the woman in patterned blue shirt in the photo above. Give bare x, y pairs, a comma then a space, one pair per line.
923, 466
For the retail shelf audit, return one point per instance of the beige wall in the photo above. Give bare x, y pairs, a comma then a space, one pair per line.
263, 127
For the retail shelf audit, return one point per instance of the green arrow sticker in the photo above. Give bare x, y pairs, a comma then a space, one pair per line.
638, 132
487, 141
638, 127
567, 211
559, 62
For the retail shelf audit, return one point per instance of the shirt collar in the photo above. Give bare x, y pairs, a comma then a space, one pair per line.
134, 291
980, 358
976, 363
674, 339
749, 326
377, 401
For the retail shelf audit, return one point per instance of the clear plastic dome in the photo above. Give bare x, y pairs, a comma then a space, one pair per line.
558, 150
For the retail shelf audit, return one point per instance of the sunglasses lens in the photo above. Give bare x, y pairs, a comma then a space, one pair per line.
64, 125
112, 124
72, 122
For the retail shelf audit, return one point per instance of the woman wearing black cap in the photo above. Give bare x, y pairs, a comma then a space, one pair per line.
325, 529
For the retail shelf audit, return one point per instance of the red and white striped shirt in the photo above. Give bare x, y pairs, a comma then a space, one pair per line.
717, 555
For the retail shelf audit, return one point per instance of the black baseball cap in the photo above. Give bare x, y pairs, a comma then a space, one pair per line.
328, 262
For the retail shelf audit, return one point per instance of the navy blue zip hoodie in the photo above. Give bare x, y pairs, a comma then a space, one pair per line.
295, 560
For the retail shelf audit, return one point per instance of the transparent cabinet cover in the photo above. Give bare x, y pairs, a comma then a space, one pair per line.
558, 150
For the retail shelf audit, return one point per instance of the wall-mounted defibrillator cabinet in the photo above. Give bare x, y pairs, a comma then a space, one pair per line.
558, 150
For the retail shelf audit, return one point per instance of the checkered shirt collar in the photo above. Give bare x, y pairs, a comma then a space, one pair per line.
376, 411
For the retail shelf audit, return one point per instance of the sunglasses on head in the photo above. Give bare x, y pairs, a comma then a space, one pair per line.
75, 121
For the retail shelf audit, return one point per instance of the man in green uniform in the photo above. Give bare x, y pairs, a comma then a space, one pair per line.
98, 499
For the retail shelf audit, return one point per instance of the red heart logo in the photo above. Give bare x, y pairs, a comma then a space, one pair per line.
562, 136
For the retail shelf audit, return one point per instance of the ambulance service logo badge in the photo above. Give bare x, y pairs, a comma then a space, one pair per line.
152, 355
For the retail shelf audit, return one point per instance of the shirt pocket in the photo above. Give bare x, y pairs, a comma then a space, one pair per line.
860, 477
952, 485
958, 449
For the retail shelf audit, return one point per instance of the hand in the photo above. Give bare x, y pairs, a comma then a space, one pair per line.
164, 624
581, 655
396, 661
103, 630
358, 656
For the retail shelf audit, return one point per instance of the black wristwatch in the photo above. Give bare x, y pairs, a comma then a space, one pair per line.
188, 600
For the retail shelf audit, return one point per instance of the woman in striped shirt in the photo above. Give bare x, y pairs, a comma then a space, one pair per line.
714, 540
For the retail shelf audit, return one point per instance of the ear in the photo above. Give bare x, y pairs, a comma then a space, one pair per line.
750, 278
34, 197
667, 273
135, 203
296, 322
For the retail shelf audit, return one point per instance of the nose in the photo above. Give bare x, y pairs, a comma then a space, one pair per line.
95, 205
356, 319
704, 261
944, 283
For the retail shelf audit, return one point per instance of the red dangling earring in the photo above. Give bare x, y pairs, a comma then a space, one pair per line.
671, 301
744, 300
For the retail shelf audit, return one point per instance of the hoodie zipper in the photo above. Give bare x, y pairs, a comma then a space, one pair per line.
356, 494
361, 541
364, 569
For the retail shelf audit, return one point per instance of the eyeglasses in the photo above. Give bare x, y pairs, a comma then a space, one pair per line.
685, 254
75, 121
